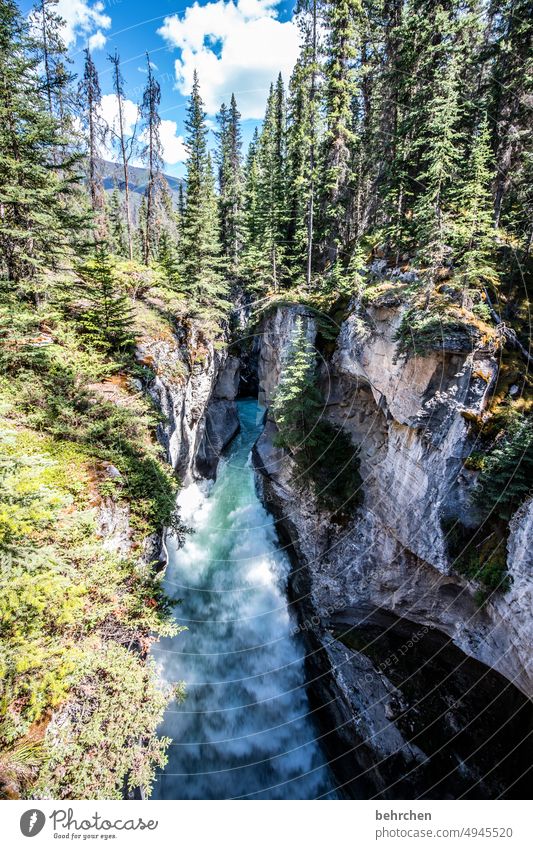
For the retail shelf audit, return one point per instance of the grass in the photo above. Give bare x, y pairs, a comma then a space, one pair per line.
77, 618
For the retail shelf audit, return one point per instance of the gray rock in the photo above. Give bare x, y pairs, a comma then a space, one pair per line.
407, 417
221, 425
227, 385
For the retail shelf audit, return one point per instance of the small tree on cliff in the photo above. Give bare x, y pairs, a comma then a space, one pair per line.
326, 459
297, 403
107, 316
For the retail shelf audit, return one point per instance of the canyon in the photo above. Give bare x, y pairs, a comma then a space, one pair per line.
418, 688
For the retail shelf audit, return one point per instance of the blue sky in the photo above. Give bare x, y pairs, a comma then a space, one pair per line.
236, 45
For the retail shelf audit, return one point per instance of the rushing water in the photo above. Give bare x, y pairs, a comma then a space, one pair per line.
244, 729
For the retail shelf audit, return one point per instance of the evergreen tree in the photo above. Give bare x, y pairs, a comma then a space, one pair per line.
439, 141
91, 98
152, 154
39, 220
230, 184
117, 232
473, 230
108, 317
272, 190
199, 245
168, 260
47, 27
297, 403
302, 138
253, 233
511, 83
124, 143
342, 20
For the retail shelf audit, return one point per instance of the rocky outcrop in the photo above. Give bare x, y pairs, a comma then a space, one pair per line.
409, 419
221, 421
273, 343
194, 386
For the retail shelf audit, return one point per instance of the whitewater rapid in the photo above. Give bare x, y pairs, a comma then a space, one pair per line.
245, 729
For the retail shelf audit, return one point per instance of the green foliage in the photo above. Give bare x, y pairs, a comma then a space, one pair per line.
65, 600
326, 460
199, 245
504, 481
106, 314
104, 738
266, 213
480, 554
506, 476
42, 216
230, 185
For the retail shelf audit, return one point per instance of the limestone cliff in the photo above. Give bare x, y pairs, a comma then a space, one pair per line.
194, 385
409, 418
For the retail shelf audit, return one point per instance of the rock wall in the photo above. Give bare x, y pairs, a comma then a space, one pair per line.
408, 418
195, 385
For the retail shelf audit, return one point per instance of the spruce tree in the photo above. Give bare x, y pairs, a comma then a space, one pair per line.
510, 86
39, 220
302, 141
439, 142
342, 20
199, 243
272, 190
169, 261
47, 26
107, 316
473, 229
230, 184
117, 232
297, 403
252, 222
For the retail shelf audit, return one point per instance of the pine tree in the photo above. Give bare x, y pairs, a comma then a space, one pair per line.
117, 232
252, 224
511, 81
473, 229
108, 317
124, 143
302, 139
272, 190
47, 26
39, 220
152, 154
230, 184
91, 98
199, 245
168, 260
342, 19
439, 141
297, 403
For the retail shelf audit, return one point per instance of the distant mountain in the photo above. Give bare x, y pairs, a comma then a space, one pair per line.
112, 175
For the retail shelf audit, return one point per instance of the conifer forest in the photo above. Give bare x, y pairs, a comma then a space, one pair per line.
360, 261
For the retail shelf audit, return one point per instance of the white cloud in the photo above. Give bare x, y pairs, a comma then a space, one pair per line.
236, 47
81, 18
142, 69
172, 143
97, 40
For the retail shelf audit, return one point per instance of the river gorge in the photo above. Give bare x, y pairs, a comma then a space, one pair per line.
313, 639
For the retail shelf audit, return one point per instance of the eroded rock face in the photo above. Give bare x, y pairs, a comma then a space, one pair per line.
407, 417
190, 374
273, 341
221, 425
